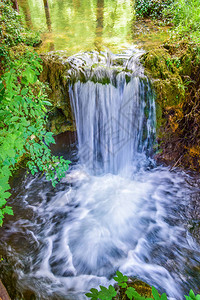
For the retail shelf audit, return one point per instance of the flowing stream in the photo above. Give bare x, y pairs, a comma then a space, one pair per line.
115, 209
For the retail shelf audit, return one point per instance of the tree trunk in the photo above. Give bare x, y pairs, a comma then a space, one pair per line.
15, 5
47, 13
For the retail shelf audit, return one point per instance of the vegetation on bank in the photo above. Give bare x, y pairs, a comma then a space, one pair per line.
183, 15
131, 290
23, 108
155, 9
175, 68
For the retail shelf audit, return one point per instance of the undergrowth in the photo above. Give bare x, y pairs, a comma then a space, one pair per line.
155, 9
186, 18
184, 15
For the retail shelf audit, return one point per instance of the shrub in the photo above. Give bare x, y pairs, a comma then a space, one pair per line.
152, 8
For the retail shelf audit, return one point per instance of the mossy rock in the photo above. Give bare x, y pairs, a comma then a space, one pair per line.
141, 287
54, 74
175, 72
58, 123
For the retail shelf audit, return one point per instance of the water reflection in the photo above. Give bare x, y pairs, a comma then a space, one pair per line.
75, 25
47, 14
99, 24
25, 8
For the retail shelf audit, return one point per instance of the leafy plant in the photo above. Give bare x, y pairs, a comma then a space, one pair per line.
152, 8
192, 296
104, 293
23, 109
121, 279
185, 16
131, 293
12, 31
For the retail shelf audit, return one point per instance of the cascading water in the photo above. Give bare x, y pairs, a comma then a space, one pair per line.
115, 210
112, 128
115, 120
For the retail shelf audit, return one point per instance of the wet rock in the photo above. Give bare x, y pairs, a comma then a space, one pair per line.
8, 275
174, 69
60, 117
141, 287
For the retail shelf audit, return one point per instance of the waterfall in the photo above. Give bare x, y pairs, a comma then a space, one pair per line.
115, 209
115, 116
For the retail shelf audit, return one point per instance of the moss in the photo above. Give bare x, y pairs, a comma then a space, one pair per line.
175, 70
54, 73
141, 287
57, 122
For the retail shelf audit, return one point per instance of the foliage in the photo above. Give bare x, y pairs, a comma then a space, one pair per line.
152, 8
12, 31
186, 18
192, 296
111, 293
23, 108
176, 66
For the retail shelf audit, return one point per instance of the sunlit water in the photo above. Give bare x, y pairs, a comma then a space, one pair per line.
85, 25
115, 209
80, 25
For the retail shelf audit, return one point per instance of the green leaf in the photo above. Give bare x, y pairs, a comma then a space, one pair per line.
48, 138
155, 293
93, 295
163, 296
10, 152
130, 292
13, 119
8, 210
6, 195
47, 103
192, 295
29, 74
2, 202
24, 91
107, 294
120, 277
